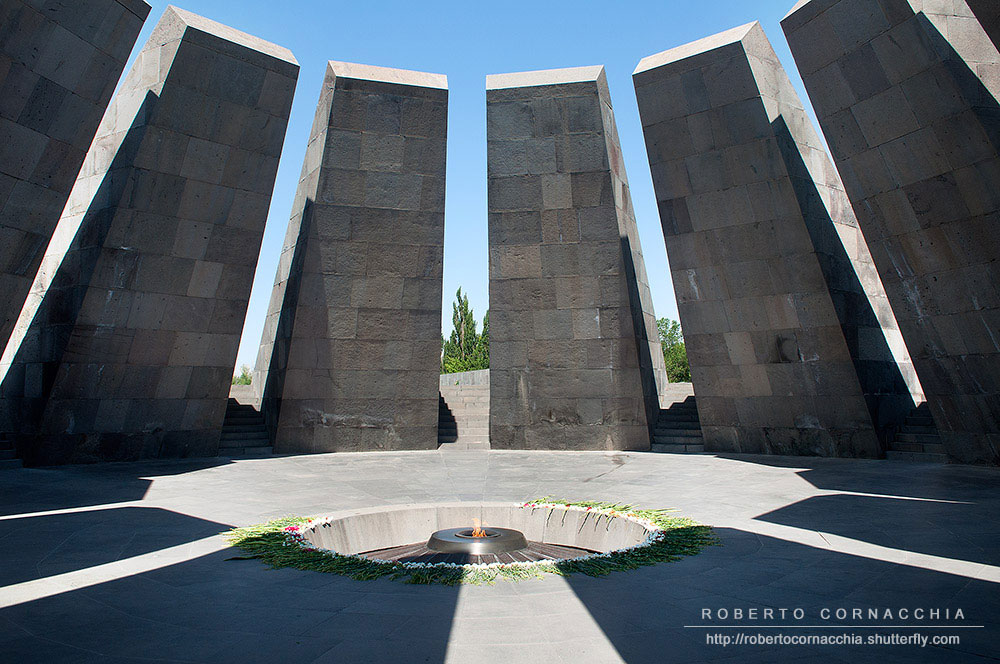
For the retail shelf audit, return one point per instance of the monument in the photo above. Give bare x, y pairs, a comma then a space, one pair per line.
350, 354
907, 100
59, 64
575, 361
781, 308
128, 341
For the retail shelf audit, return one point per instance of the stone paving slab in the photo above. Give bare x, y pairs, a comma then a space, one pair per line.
120, 563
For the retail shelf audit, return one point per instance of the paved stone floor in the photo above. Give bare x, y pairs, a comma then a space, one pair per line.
123, 562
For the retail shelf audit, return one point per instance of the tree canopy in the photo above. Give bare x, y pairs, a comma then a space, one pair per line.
466, 349
674, 352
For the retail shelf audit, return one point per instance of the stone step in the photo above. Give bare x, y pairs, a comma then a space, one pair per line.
678, 417
256, 435
916, 457
242, 428
909, 428
257, 451
464, 445
237, 444
7, 454
11, 464
677, 440
918, 438
919, 421
244, 421
249, 412
677, 424
674, 448
665, 431
932, 448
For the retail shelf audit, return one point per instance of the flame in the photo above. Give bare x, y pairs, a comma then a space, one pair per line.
477, 529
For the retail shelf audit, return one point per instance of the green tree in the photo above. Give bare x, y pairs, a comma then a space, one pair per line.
466, 349
244, 377
483, 349
674, 352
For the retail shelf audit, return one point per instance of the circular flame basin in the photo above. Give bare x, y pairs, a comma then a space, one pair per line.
461, 540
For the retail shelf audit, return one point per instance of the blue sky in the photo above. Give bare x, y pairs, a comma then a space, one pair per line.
466, 41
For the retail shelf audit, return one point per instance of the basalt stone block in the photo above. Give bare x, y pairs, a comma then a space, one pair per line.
131, 330
349, 359
915, 133
783, 313
577, 362
59, 64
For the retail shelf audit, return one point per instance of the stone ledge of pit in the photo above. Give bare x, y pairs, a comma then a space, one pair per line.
371, 529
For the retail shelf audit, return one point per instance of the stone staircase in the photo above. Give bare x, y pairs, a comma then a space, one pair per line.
244, 433
8, 455
678, 429
918, 439
464, 416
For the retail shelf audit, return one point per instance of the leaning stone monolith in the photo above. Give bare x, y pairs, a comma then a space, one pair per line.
59, 64
350, 355
575, 361
908, 100
781, 308
131, 331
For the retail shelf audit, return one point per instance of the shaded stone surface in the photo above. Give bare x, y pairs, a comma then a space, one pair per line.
575, 361
908, 102
349, 358
131, 330
780, 303
59, 64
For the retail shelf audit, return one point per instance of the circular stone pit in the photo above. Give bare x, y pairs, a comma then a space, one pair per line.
400, 534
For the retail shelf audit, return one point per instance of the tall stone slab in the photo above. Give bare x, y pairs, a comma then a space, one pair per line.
906, 93
350, 354
131, 332
59, 64
781, 307
575, 361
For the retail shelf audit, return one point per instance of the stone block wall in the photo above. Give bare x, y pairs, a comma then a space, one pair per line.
350, 354
781, 307
575, 361
132, 328
906, 94
59, 64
